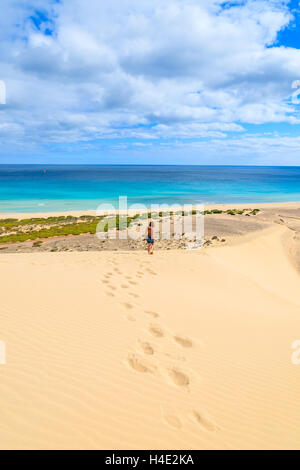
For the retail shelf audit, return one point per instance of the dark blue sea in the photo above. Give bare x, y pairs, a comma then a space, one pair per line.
36, 188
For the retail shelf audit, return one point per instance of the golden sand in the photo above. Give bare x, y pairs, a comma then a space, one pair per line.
182, 350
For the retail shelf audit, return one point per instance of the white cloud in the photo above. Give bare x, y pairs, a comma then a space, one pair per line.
82, 70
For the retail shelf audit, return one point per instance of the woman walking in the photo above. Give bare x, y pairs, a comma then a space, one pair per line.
150, 238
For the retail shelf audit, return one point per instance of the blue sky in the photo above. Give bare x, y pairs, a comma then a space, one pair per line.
140, 81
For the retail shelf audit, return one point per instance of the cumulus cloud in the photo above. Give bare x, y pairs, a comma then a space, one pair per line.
84, 70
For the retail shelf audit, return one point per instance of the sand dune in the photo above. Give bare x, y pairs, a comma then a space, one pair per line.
183, 350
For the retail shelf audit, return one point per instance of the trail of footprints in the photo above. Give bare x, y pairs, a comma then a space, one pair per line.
175, 375
127, 284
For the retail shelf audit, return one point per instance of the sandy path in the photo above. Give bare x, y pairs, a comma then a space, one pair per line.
180, 350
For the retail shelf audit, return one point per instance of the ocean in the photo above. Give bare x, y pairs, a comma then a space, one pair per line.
42, 188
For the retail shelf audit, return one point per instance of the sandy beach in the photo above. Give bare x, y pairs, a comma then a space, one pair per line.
183, 350
272, 205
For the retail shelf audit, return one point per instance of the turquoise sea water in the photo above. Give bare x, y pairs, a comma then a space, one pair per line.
36, 188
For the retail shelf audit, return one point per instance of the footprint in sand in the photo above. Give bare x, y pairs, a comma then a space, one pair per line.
111, 287
128, 306
178, 377
110, 294
172, 420
184, 342
156, 331
133, 283
104, 281
204, 421
134, 295
152, 272
131, 318
138, 364
152, 314
124, 286
147, 348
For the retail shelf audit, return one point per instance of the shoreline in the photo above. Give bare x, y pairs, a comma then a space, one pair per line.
78, 213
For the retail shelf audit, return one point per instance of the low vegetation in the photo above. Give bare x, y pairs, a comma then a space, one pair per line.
37, 244
36, 228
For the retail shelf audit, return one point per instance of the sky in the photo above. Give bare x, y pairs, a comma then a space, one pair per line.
150, 81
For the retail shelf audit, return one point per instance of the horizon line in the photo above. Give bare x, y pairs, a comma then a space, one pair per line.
148, 164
